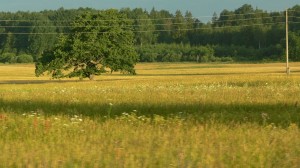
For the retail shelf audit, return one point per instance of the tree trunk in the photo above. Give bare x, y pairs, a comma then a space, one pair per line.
91, 76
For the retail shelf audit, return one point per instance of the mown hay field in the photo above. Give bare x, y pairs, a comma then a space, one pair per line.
169, 115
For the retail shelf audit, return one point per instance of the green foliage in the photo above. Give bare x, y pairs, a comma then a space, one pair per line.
49, 63
175, 53
179, 28
294, 45
8, 58
98, 41
255, 34
24, 58
142, 25
243, 53
37, 42
13, 58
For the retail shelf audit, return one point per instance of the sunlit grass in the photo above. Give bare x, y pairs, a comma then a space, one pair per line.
34, 140
169, 115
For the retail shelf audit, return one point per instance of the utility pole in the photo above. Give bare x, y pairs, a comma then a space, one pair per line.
287, 42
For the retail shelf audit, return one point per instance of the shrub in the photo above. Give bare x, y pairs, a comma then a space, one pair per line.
24, 58
8, 58
227, 59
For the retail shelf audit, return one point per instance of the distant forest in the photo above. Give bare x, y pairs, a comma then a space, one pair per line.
245, 34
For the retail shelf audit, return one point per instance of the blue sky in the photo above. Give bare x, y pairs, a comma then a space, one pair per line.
197, 7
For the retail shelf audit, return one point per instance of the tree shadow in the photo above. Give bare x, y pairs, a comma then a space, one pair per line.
279, 113
294, 72
216, 74
53, 81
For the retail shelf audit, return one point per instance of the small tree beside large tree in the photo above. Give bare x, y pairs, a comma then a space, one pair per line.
97, 42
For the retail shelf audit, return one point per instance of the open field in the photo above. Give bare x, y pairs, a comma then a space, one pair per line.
169, 115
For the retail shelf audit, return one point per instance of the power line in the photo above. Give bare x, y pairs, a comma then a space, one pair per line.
136, 19
234, 20
293, 22
165, 24
162, 24
145, 31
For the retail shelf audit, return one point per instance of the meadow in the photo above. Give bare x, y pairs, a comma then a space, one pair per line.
168, 115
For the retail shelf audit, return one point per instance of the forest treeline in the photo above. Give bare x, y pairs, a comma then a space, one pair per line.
244, 34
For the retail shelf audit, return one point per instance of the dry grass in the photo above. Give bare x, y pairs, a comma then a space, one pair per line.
169, 115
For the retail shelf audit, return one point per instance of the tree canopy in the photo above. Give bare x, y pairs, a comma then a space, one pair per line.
244, 34
96, 42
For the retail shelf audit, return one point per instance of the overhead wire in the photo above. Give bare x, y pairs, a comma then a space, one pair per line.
136, 19
145, 31
219, 22
136, 25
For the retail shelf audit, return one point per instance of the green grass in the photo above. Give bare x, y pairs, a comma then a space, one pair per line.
224, 115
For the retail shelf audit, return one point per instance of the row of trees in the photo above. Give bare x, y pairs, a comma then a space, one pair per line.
179, 53
209, 53
243, 34
13, 58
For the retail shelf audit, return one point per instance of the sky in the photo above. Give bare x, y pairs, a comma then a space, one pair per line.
199, 8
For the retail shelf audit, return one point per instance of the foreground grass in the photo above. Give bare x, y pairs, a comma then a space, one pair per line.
169, 115
34, 140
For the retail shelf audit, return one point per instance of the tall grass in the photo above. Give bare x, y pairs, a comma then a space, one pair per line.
33, 140
169, 115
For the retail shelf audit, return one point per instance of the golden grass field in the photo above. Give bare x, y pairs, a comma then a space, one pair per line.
169, 115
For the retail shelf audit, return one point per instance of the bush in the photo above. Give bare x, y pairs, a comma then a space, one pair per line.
227, 59
8, 58
24, 58
148, 56
173, 52
205, 58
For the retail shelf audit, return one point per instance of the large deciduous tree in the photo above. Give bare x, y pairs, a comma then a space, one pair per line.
97, 41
